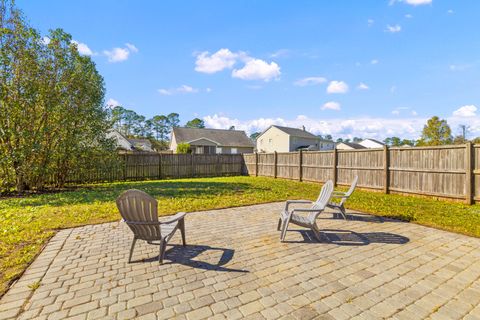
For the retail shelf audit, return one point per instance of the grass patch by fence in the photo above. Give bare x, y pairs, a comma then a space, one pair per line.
27, 223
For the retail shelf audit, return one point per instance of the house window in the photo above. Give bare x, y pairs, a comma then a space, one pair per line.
219, 150
234, 150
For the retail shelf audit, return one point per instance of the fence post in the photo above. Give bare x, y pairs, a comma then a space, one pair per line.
275, 160
469, 181
192, 164
300, 169
335, 160
159, 166
256, 164
125, 167
386, 173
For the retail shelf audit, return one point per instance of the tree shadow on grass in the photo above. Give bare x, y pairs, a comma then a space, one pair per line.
351, 238
158, 189
185, 255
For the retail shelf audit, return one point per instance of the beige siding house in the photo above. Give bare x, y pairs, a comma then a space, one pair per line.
349, 146
134, 145
285, 139
212, 141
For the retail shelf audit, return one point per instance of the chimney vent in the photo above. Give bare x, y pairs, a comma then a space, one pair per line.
303, 127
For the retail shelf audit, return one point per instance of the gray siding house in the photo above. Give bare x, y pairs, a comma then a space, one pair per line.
212, 141
285, 139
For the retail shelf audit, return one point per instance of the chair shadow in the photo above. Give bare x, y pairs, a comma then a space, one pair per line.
185, 254
361, 217
350, 238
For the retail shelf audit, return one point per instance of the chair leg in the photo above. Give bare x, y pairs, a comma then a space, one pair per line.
316, 232
279, 224
163, 245
343, 212
284, 229
181, 225
131, 249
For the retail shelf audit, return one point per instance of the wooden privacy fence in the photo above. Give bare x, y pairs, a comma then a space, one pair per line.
443, 171
163, 166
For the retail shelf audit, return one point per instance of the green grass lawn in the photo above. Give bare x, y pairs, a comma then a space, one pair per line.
27, 223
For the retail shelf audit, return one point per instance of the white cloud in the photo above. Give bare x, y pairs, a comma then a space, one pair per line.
208, 90
417, 2
256, 69
466, 111
282, 53
370, 22
82, 48
362, 86
131, 47
120, 54
220, 60
337, 87
46, 40
408, 16
396, 112
253, 69
393, 89
183, 89
393, 29
379, 128
411, 2
310, 81
460, 67
112, 103
450, 11
374, 61
331, 105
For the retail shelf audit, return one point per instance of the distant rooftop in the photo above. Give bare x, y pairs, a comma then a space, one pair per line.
226, 138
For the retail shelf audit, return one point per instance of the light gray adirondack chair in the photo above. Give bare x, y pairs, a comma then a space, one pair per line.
140, 212
310, 221
344, 197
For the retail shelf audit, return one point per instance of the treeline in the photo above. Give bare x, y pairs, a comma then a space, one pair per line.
51, 105
157, 129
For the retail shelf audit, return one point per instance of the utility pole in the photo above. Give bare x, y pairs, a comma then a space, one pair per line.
464, 131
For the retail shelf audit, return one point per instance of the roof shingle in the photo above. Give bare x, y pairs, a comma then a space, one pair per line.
226, 138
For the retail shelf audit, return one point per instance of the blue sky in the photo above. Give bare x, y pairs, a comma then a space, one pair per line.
346, 68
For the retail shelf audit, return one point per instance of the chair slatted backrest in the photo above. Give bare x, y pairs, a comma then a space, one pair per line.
139, 210
350, 190
322, 200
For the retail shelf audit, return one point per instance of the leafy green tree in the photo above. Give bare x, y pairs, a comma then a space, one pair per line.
160, 127
459, 140
51, 105
173, 120
436, 132
183, 148
195, 123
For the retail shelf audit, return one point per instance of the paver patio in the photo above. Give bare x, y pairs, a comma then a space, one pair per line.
235, 267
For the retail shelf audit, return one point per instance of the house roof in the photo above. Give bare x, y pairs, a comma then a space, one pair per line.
294, 132
353, 145
376, 141
225, 138
139, 141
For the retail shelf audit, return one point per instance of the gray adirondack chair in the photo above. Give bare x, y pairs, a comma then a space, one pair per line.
310, 221
344, 197
140, 212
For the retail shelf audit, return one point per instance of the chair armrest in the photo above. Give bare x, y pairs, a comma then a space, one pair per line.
288, 202
175, 218
308, 210
338, 193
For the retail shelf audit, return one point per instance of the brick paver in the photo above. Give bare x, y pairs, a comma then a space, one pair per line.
235, 267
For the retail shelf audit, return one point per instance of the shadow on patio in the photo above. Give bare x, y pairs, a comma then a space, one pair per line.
185, 255
351, 238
